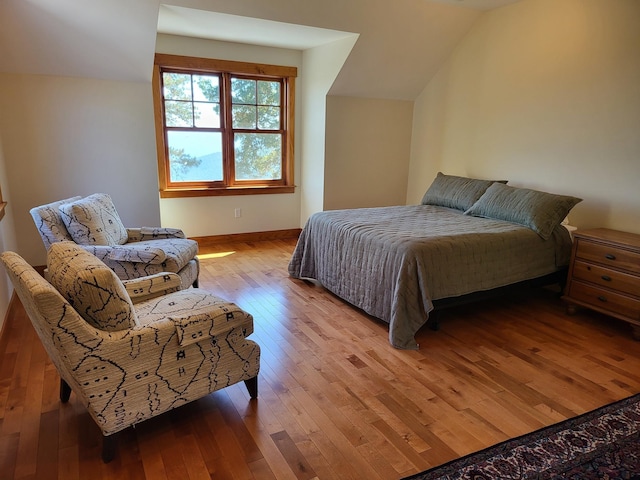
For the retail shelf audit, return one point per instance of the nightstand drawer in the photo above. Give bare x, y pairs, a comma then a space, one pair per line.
613, 279
608, 255
605, 299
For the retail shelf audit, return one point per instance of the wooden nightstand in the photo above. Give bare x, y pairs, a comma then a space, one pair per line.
604, 274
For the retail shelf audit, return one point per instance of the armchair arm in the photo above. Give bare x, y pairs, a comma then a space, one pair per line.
145, 288
219, 319
153, 233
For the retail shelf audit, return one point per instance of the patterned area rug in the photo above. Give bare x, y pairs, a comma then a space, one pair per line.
603, 444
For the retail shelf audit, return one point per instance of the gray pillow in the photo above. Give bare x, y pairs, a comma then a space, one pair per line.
456, 192
542, 212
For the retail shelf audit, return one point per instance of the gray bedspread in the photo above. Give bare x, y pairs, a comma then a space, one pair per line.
392, 262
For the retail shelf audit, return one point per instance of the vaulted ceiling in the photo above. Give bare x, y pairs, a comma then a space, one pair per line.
400, 46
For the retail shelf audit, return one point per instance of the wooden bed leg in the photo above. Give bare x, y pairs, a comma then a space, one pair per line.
434, 323
65, 391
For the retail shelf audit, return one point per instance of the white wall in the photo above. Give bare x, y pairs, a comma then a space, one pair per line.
367, 152
545, 93
66, 136
321, 64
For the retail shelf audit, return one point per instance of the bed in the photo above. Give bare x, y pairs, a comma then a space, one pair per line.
466, 236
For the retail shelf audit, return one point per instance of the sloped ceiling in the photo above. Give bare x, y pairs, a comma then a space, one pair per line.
197, 23
401, 44
477, 4
107, 39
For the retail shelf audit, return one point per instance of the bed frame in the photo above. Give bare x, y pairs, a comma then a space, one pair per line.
439, 306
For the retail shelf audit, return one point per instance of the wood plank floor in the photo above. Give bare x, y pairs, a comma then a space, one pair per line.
336, 401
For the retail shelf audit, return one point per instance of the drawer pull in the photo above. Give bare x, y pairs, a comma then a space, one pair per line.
610, 256
602, 298
606, 278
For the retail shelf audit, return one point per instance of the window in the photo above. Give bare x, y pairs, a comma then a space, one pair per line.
222, 127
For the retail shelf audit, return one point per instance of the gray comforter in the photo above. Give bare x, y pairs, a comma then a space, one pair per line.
392, 262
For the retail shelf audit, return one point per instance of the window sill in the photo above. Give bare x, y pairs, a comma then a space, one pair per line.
219, 192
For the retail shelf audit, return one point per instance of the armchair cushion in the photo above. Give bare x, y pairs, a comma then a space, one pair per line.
92, 288
137, 252
178, 256
93, 220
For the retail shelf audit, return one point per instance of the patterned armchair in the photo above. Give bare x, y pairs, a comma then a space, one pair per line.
128, 349
93, 223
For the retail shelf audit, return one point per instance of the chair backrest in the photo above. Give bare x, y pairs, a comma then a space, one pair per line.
63, 332
49, 222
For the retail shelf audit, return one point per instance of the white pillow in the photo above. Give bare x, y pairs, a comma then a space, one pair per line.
92, 288
93, 220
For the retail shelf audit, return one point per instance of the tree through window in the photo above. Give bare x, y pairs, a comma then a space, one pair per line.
223, 127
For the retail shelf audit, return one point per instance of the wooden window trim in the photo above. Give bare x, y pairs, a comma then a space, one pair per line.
205, 65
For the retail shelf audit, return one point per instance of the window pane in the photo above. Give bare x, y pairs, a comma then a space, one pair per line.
206, 88
177, 86
207, 115
258, 156
195, 156
178, 114
269, 118
244, 116
243, 91
268, 93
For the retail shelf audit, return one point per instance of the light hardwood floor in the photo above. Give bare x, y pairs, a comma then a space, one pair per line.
336, 401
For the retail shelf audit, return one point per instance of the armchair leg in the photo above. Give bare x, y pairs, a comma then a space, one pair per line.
196, 283
65, 391
252, 386
108, 447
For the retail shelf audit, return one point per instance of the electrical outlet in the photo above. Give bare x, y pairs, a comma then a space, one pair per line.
238, 212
